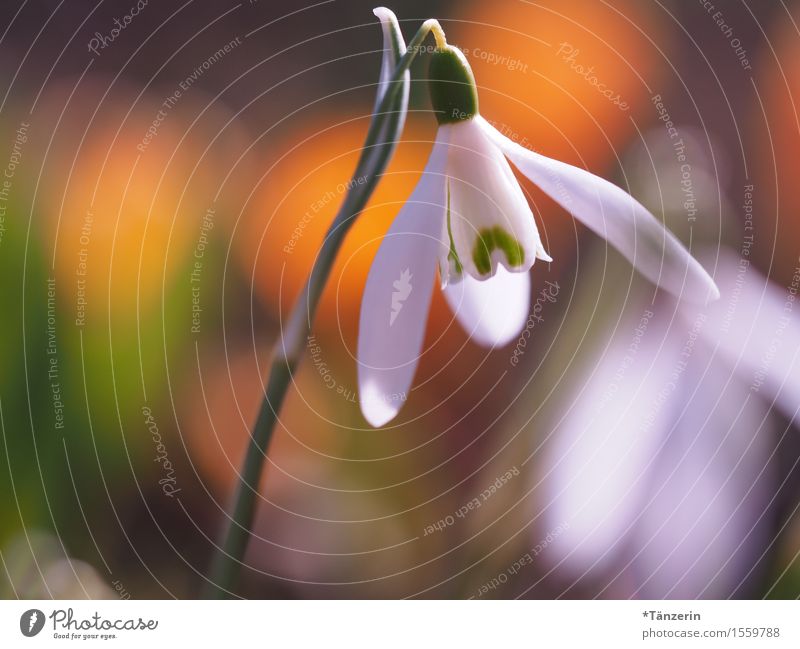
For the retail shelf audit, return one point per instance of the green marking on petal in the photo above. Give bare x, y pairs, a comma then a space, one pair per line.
496, 238
453, 256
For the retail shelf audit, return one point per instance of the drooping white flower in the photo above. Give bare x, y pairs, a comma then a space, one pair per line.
469, 218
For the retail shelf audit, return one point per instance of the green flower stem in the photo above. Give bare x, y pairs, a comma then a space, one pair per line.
288, 350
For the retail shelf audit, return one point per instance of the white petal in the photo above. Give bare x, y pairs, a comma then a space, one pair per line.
394, 308
486, 200
493, 311
756, 329
392, 42
616, 216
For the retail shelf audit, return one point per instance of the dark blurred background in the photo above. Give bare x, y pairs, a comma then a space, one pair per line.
159, 159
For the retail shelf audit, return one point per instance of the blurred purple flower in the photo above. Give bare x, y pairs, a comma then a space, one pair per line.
663, 464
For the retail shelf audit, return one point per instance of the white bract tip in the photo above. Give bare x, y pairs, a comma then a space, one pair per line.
394, 46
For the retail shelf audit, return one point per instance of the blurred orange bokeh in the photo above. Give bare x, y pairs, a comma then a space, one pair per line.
219, 400
129, 209
536, 66
282, 230
774, 168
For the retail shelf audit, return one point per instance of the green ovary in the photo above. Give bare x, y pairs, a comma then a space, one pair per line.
451, 85
496, 238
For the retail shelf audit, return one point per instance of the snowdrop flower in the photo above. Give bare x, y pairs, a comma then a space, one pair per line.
663, 470
469, 218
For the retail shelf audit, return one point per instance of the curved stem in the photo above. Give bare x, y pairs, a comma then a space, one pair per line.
288, 350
